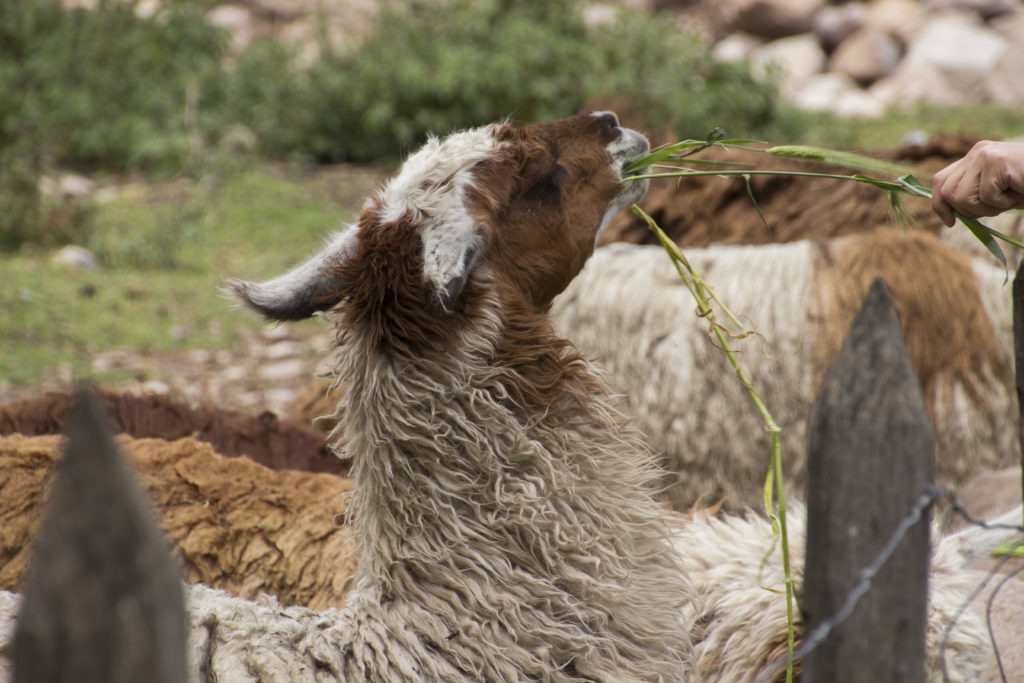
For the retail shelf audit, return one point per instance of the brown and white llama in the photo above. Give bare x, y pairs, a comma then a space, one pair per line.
503, 510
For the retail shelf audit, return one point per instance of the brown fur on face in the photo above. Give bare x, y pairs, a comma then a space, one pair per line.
541, 203
538, 203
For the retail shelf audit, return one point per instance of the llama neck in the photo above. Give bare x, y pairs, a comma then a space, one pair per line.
500, 527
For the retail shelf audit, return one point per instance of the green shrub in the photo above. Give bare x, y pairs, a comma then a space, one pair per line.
105, 88
437, 69
440, 66
99, 89
666, 75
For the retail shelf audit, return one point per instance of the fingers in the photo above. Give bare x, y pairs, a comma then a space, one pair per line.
987, 181
944, 185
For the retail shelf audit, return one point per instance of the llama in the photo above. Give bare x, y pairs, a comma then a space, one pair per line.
800, 297
233, 523
503, 509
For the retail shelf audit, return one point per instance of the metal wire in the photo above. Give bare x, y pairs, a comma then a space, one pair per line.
923, 502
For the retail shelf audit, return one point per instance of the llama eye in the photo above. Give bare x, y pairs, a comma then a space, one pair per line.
549, 187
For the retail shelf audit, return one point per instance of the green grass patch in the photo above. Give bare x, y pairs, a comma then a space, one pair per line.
972, 120
164, 249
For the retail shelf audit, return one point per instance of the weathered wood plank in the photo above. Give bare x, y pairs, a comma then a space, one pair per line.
870, 455
1018, 354
103, 598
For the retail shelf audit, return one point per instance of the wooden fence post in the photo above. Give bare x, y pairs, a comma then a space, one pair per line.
103, 597
870, 456
1018, 355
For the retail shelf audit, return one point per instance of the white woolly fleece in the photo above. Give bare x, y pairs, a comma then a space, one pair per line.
630, 311
742, 612
431, 183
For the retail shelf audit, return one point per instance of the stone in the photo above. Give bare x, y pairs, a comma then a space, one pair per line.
180, 333
838, 94
282, 349
735, 47
913, 82
956, 43
1005, 83
72, 185
858, 104
987, 9
835, 23
777, 18
821, 91
899, 18
866, 56
795, 59
961, 49
75, 258
146, 9
282, 370
1010, 26
236, 20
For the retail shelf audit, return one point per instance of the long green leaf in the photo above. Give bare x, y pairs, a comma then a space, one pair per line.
834, 157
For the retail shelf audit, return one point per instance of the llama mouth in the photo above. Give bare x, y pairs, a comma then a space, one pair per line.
630, 167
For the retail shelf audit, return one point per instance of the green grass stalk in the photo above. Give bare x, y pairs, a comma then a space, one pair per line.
774, 479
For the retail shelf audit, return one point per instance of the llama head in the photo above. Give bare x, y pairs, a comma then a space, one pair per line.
502, 209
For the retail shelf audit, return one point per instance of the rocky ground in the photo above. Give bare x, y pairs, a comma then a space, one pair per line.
269, 370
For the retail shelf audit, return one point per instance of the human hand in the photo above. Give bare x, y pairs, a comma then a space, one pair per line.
985, 182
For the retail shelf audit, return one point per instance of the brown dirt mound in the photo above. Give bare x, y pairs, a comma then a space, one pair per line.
275, 443
234, 524
697, 212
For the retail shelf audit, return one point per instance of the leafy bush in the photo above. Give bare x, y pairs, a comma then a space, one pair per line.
103, 88
440, 66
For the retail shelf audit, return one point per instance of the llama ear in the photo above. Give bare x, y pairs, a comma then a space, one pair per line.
451, 250
313, 286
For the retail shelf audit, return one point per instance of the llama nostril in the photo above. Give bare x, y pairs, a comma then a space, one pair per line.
607, 122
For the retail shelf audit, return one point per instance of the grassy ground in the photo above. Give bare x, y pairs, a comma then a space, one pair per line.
889, 132
164, 249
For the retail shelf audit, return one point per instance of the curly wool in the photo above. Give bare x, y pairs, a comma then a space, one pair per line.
495, 545
739, 625
800, 299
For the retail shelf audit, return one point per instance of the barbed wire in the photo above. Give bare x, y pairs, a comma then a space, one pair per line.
928, 497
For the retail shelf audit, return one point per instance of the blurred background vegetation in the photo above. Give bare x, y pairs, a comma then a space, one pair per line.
224, 143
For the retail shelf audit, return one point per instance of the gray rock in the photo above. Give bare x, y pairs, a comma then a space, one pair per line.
987, 9
283, 349
866, 56
899, 18
1006, 81
796, 59
858, 104
75, 258
821, 91
237, 21
736, 47
835, 23
777, 18
916, 82
282, 370
956, 43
